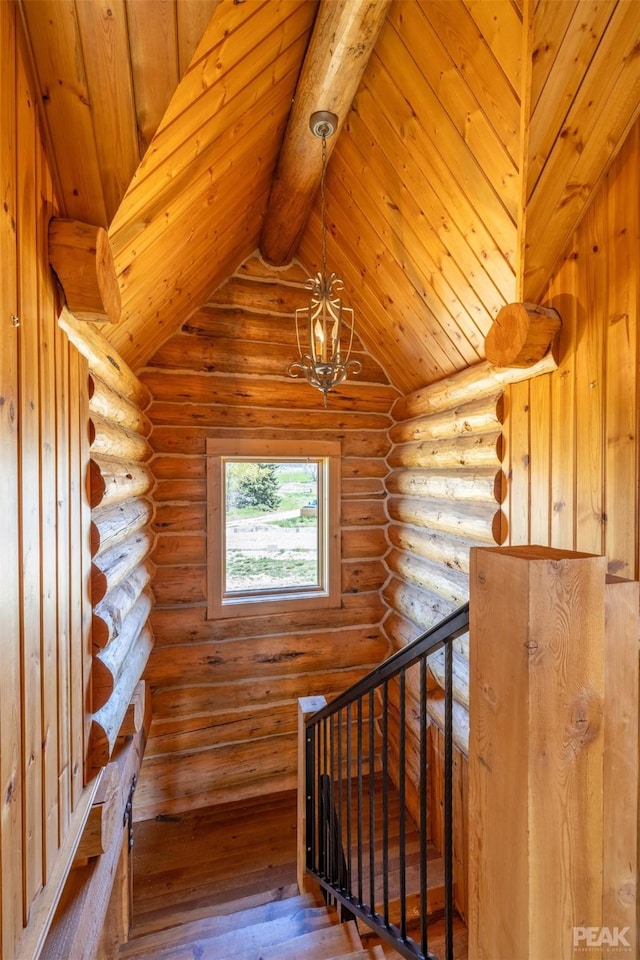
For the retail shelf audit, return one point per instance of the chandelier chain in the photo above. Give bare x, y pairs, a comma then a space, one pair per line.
323, 195
324, 325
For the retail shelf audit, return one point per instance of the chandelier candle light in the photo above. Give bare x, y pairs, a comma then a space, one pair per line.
321, 324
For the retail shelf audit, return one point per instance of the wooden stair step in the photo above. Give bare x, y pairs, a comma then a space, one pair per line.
202, 908
370, 953
202, 882
245, 940
435, 904
339, 940
209, 925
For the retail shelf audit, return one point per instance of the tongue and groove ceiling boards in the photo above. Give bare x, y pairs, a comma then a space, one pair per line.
106, 73
476, 137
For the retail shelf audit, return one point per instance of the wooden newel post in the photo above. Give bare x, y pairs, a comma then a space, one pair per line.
544, 724
306, 707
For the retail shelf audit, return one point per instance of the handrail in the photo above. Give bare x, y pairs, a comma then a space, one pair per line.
362, 875
428, 642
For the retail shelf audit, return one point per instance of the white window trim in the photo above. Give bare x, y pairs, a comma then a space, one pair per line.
219, 607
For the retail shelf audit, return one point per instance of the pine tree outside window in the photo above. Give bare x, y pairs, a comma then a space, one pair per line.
273, 526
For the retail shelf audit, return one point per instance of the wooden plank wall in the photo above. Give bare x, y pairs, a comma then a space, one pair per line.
106, 75
572, 448
225, 691
583, 101
44, 532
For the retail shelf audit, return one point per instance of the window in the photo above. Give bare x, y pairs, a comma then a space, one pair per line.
273, 526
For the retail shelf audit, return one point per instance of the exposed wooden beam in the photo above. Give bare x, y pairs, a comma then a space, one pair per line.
343, 37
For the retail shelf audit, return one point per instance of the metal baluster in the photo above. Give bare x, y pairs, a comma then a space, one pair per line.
323, 811
448, 799
372, 812
309, 754
332, 779
330, 744
338, 818
423, 806
360, 799
316, 781
349, 791
402, 838
385, 801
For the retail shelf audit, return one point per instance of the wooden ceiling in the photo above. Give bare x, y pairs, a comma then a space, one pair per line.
476, 138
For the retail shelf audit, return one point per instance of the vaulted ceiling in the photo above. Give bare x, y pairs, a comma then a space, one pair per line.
477, 135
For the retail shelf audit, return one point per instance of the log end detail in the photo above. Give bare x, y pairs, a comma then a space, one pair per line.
521, 334
81, 257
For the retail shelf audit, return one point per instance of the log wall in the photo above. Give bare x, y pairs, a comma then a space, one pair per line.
45, 612
445, 488
225, 691
121, 539
445, 491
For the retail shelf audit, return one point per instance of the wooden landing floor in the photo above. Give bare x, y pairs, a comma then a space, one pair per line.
207, 858
219, 859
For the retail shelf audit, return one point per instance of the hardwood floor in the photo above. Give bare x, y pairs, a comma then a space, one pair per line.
219, 860
196, 863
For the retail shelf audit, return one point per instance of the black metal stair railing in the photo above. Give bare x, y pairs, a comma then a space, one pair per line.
359, 771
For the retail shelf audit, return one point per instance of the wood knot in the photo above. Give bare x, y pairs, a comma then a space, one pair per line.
584, 722
10, 792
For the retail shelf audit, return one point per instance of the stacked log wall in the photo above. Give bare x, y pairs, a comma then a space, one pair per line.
121, 537
225, 691
446, 487
445, 490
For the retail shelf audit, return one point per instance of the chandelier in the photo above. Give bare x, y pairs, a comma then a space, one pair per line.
325, 325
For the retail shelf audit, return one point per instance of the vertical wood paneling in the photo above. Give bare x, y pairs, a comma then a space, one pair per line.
42, 555
154, 62
84, 555
540, 461
563, 415
30, 507
75, 590
592, 320
103, 31
621, 425
584, 417
10, 689
519, 474
55, 38
64, 541
48, 494
193, 18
